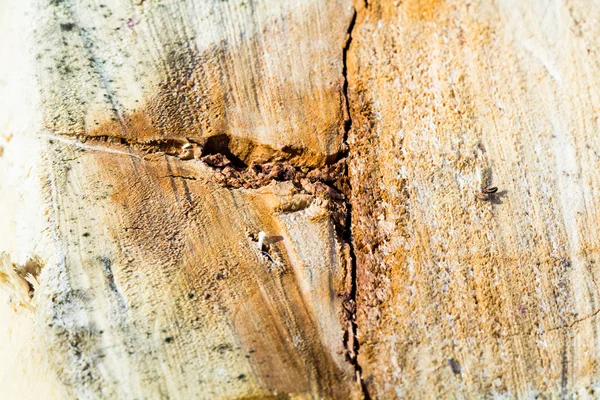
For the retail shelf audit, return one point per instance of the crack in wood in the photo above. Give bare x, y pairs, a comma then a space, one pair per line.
190, 178
85, 146
329, 182
575, 322
350, 336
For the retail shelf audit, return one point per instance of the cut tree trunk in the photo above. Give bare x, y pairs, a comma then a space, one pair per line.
458, 296
148, 147
170, 134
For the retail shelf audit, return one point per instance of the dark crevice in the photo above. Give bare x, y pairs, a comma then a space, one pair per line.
330, 182
348, 121
190, 178
167, 146
327, 182
220, 144
351, 340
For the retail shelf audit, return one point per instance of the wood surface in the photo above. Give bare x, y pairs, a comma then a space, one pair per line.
458, 297
153, 285
144, 145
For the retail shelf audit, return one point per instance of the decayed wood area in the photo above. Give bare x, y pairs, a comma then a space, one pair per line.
146, 144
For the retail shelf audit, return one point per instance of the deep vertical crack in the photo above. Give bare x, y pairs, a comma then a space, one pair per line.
351, 340
348, 121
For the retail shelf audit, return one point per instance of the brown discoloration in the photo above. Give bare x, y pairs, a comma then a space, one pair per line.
156, 289
442, 276
421, 9
185, 274
269, 330
256, 93
137, 127
140, 128
159, 282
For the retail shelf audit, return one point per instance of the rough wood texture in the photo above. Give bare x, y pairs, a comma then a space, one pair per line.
261, 79
459, 297
153, 284
144, 145
165, 291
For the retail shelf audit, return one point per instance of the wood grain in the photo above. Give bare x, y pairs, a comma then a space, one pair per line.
261, 79
459, 297
162, 290
153, 285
